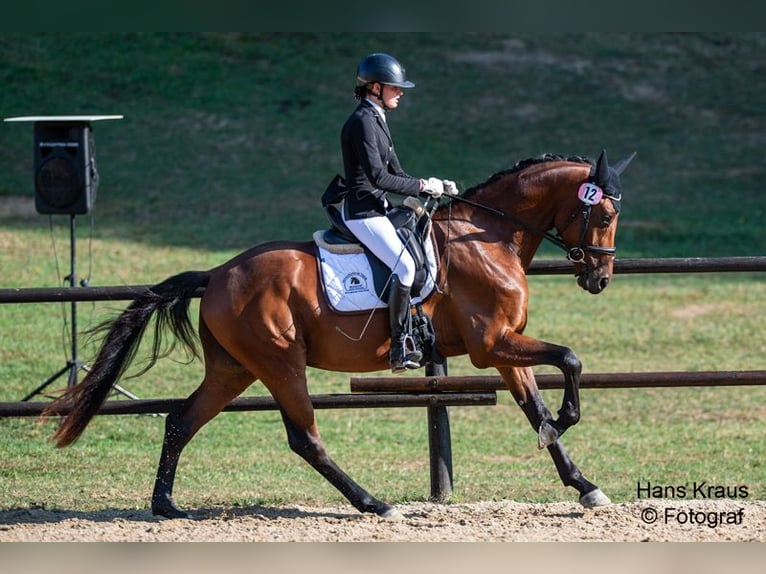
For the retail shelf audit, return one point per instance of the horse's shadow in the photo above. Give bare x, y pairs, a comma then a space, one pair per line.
38, 515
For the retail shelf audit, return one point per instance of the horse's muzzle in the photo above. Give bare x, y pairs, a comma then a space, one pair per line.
594, 281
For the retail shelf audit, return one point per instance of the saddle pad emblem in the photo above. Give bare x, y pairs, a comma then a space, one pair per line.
345, 281
355, 282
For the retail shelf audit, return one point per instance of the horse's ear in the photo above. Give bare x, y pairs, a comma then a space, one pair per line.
602, 169
620, 166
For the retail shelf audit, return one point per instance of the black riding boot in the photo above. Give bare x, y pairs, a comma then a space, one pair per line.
404, 354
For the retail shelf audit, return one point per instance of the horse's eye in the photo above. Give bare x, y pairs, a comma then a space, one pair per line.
606, 219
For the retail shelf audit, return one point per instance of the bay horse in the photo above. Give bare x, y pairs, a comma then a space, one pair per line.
264, 317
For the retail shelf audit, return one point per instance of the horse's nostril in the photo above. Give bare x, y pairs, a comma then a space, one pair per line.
603, 283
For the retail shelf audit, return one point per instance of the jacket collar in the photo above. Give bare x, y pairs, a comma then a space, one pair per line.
380, 117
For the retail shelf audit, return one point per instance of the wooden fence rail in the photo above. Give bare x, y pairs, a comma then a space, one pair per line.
556, 381
263, 403
538, 267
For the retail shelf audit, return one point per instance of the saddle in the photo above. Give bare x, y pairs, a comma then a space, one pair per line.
355, 280
413, 230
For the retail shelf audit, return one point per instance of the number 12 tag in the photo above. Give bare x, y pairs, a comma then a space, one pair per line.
590, 193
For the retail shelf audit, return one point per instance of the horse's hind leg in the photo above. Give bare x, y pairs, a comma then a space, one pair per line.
178, 433
523, 387
180, 428
303, 438
307, 443
224, 380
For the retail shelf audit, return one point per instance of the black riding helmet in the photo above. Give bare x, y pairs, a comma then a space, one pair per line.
383, 69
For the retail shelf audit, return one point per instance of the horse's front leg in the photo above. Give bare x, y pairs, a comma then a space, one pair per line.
569, 413
512, 349
521, 382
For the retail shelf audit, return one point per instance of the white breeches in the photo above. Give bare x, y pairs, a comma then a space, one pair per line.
379, 236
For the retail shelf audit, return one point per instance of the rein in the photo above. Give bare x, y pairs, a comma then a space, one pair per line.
574, 254
555, 239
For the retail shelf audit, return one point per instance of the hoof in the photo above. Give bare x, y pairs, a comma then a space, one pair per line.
547, 435
171, 513
168, 509
595, 499
392, 514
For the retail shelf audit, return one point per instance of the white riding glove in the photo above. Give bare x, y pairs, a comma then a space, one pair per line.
449, 187
434, 187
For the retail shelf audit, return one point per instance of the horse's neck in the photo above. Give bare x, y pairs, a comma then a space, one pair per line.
531, 206
527, 216
535, 211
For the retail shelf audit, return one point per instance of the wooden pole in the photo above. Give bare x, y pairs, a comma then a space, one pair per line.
538, 267
439, 441
331, 401
555, 381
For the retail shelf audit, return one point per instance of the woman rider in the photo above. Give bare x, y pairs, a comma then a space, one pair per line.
371, 170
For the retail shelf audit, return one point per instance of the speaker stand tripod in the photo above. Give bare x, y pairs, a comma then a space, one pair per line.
74, 364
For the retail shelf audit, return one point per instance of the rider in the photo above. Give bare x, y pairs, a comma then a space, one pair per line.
372, 169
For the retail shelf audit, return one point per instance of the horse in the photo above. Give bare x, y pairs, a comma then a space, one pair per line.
263, 317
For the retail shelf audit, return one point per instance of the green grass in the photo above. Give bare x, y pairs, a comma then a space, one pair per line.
229, 139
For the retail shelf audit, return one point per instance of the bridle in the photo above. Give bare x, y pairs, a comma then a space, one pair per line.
577, 254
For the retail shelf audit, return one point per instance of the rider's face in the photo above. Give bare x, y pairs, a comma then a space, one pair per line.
390, 96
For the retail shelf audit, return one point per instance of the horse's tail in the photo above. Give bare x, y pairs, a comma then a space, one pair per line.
170, 301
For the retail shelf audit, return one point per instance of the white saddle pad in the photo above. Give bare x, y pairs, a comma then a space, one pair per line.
347, 279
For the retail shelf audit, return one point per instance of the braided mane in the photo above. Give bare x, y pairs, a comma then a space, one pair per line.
525, 163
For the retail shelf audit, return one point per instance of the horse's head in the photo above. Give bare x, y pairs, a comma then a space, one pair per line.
589, 230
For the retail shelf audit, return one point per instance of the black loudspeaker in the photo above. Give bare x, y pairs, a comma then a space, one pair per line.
66, 178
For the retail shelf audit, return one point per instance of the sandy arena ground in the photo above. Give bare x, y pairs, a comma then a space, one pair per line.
691, 520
